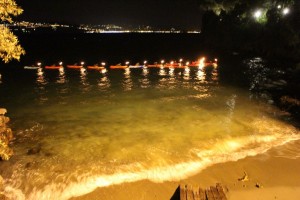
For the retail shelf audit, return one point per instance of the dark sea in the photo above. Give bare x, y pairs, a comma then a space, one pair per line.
77, 130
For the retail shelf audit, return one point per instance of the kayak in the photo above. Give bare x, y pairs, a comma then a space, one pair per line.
95, 67
31, 67
54, 67
135, 66
155, 65
74, 66
118, 67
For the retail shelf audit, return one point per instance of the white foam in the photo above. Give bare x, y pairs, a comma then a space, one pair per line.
230, 149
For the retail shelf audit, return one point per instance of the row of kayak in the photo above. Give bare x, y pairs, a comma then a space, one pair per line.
200, 64
95, 67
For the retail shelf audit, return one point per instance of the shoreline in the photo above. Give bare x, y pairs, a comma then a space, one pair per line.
278, 177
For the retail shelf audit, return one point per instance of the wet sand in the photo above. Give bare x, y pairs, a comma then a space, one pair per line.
279, 177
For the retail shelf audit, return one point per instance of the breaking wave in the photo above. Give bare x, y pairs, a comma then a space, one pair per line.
230, 149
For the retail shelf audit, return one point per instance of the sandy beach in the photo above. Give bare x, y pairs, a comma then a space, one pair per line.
276, 171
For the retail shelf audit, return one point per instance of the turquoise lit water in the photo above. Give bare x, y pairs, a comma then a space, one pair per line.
92, 129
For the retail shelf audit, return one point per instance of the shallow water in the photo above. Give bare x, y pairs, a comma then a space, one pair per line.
92, 129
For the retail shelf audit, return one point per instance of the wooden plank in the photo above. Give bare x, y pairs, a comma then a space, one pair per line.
202, 194
209, 195
221, 191
183, 192
196, 195
189, 193
215, 193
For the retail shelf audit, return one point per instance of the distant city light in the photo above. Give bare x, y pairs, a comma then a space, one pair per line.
103, 63
82, 63
39, 64
285, 11
145, 62
127, 63
28, 27
60, 63
162, 62
180, 60
257, 14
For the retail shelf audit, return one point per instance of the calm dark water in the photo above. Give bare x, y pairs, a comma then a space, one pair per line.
93, 129
112, 48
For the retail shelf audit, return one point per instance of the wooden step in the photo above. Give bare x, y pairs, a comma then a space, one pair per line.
188, 192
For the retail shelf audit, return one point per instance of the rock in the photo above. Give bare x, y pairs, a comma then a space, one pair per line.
258, 185
28, 165
269, 86
283, 82
48, 154
34, 150
279, 83
289, 101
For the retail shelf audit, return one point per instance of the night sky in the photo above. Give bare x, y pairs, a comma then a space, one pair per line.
184, 14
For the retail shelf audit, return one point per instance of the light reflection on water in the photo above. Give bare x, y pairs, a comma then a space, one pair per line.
144, 81
187, 73
93, 129
162, 71
83, 74
171, 72
127, 83
61, 78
